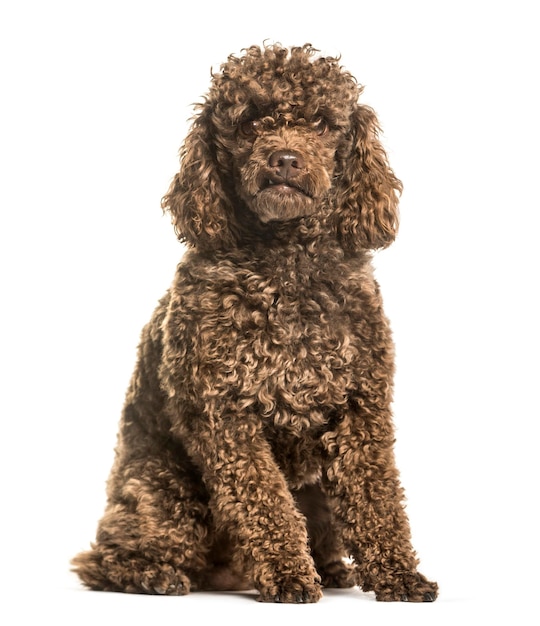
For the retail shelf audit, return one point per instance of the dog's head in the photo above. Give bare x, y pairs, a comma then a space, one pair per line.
280, 138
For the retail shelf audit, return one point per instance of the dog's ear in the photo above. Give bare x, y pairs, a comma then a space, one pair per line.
199, 206
366, 214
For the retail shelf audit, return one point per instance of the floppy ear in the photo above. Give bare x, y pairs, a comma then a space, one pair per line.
366, 214
196, 199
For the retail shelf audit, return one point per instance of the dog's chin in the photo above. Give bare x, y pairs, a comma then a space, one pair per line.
280, 203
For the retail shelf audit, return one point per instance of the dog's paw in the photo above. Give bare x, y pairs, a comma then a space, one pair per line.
291, 591
293, 582
412, 587
300, 587
164, 581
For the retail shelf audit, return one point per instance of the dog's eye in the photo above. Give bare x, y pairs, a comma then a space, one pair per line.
250, 128
320, 126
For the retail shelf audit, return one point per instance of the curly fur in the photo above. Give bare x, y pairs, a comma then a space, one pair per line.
256, 441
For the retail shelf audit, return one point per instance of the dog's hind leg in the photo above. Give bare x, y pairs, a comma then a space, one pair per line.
154, 536
156, 532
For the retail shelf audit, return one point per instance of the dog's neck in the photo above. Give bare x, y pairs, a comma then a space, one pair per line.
284, 248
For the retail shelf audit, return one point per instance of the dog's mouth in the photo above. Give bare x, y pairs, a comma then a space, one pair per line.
281, 200
285, 187
281, 191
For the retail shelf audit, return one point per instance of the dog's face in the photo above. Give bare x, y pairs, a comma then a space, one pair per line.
281, 135
283, 171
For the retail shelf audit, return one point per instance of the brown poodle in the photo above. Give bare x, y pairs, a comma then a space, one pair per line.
256, 442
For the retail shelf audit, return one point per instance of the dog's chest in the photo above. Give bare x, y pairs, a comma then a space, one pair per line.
286, 348
308, 351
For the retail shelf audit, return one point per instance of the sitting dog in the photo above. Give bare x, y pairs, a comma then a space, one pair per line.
256, 442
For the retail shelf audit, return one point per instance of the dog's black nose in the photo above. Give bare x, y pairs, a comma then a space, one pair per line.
286, 163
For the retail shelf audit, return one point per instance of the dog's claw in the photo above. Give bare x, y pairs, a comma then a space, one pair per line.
296, 596
428, 597
300, 598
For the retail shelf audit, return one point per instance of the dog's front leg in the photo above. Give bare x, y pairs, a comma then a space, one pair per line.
250, 500
363, 484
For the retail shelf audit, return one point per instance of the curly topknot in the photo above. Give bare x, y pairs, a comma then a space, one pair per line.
293, 83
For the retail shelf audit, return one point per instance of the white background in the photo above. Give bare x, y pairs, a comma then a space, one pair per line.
94, 106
